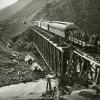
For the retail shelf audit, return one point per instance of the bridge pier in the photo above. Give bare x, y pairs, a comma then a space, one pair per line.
85, 70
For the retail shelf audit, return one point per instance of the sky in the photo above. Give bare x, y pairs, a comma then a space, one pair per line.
5, 3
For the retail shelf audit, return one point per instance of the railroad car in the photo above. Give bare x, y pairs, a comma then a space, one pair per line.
37, 23
45, 25
58, 29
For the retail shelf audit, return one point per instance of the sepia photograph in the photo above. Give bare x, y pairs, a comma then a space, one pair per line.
49, 49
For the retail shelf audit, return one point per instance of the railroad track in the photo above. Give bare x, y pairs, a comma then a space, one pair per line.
44, 32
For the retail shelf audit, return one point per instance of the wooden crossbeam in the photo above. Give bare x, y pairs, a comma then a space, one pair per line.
85, 57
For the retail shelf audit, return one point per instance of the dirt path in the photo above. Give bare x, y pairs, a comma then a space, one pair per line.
32, 90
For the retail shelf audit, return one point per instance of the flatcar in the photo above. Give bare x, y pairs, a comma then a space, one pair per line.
85, 39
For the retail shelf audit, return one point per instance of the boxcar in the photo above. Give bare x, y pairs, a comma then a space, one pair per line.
57, 29
37, 23
45, 25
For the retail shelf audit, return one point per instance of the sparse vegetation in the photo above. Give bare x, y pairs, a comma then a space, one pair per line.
11, 41
84, 13
15, 70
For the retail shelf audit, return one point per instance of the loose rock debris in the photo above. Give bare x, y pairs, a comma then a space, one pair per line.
18, 71
36, 67
29, 59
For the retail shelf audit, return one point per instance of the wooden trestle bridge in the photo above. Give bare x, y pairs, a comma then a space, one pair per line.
67, 59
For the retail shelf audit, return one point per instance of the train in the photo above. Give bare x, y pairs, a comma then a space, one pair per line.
70, 31
57, 27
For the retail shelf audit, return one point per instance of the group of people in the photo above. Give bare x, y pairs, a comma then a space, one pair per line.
85, 36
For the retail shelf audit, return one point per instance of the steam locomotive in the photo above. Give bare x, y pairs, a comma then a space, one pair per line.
69, 31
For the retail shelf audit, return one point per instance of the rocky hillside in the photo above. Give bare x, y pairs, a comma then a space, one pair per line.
13, 9
29, 10
14, 24
16, 15
84, 13
13, 69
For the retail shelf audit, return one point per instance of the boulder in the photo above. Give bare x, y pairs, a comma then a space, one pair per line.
90, 94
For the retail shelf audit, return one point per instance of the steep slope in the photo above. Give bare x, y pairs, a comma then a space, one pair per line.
84, 13
9, 28
30, 9
4, 4
14, 24
57, 10
13, 9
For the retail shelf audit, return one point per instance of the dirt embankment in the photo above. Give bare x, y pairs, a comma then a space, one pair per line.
15, 70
